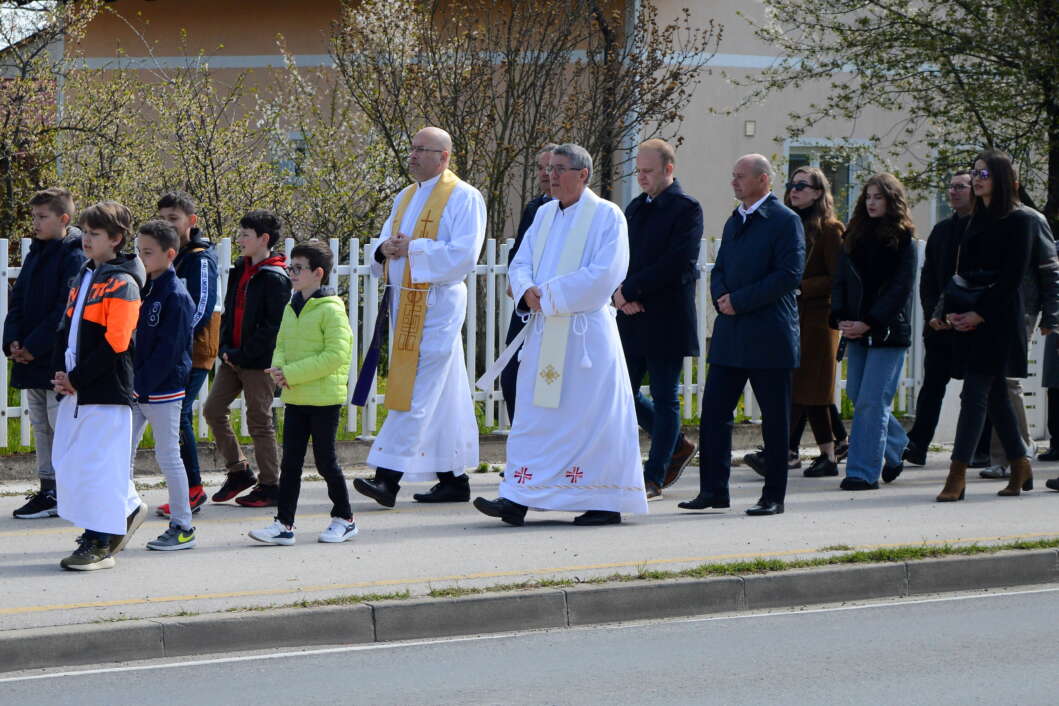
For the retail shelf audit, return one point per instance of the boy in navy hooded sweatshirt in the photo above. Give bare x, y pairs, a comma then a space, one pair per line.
161, 365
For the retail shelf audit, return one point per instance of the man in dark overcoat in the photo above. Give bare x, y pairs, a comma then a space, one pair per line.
755, 338
656, 307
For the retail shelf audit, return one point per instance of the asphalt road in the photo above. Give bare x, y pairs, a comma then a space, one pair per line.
965, 649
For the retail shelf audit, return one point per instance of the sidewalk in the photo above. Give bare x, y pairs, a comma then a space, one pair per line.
417, 548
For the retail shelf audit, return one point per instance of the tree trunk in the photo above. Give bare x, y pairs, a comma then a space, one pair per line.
605, 168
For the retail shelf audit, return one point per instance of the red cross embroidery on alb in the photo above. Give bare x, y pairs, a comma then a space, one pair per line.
522, 475
575, 474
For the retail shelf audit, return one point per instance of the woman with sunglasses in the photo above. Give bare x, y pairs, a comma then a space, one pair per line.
813, 386
871, 305
986, 309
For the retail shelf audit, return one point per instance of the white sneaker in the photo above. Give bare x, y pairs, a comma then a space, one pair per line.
276, 533
339, 531
995, 472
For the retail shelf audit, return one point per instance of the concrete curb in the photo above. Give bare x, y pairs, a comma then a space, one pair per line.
386, 621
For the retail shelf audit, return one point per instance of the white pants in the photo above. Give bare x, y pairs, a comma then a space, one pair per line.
165, 423
90, 454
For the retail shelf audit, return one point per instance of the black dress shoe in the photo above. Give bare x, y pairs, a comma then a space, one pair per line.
706, 500
914, 455
595, 518
454, 490
508, 511
850, 483
890, 473
1052, 483
1049, 455
765, 507
821, 468
381, 491
756, 461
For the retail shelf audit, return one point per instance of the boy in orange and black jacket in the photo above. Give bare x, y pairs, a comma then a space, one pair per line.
94, 374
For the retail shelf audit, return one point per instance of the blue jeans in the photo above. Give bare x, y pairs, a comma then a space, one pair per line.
659, 416
189, 450
876, 436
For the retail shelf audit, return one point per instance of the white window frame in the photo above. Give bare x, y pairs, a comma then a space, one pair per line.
816, 146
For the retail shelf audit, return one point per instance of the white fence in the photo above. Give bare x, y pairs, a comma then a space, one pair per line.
491, 274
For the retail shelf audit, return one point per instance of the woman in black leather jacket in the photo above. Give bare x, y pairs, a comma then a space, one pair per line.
871, 306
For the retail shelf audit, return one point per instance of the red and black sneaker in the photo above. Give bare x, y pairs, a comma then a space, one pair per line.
197, 497
236, 482
261, 496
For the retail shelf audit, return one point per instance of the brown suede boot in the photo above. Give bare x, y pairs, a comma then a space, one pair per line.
1021, 477
955, 484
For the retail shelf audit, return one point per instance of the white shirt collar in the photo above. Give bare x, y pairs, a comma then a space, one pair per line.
430, 182
572, 207
745, 212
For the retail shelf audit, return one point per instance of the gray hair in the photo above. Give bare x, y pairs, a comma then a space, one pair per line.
578, 156
547, 149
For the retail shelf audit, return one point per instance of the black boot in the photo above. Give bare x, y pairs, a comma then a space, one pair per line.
382, 489
450, 488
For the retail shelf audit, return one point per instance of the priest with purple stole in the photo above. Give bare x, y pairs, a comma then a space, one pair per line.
574, 444
431, 243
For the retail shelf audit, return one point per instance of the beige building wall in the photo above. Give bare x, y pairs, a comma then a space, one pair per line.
237, 35
713, 142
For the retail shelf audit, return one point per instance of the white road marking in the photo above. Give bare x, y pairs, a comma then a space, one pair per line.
500, 636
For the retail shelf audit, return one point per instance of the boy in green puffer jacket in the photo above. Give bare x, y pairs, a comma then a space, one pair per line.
311, 365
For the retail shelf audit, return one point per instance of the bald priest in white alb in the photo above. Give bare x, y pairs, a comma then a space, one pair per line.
432, 240
574, 445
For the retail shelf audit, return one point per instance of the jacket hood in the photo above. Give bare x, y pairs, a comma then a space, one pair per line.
73, 237
71, 241
125, 262
197, 240
272, 263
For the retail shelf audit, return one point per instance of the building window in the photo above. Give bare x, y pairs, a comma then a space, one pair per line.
842, 170
290, 155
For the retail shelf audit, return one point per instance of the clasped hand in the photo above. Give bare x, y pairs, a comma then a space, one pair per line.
853, 329
61, 384
624, 305
965, 322
20, 354
396, 246
278, 377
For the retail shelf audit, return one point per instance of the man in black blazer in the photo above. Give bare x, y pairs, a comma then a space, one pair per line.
509, 375
755, 337
656, 307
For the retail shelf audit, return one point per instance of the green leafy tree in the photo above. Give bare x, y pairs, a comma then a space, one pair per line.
956, 77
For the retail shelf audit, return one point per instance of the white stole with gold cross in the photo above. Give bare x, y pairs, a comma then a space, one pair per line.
556, 329
548, 386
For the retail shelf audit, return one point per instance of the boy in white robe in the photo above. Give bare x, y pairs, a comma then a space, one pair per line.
94, 373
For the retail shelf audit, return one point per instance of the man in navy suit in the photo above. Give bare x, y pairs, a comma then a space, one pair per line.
656, 305
509, 375
756, 338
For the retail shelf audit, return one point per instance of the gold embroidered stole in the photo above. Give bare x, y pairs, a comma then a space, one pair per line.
412, 307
